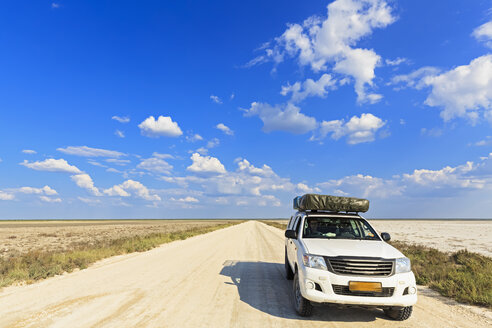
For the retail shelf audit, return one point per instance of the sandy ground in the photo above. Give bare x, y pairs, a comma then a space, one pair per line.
231, 277
444, 235
23, 236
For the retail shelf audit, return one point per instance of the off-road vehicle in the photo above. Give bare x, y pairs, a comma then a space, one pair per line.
334, 255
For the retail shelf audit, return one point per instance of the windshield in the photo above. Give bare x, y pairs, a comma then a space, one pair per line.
338, 228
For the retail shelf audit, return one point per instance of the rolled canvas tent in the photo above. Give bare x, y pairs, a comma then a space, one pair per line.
315, 202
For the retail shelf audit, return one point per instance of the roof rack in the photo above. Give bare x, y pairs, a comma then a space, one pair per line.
337, 204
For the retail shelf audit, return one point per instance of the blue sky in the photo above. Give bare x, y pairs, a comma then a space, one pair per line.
230, 109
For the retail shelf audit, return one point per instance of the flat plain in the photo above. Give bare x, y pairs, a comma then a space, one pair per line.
232, 277
18, 237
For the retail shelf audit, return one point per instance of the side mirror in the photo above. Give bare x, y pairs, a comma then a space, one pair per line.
386, 236
292, 234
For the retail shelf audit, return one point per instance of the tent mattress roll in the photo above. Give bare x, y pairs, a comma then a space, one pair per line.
310, 202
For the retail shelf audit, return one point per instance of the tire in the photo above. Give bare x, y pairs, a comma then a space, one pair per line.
289, 275
400, 313
303, 307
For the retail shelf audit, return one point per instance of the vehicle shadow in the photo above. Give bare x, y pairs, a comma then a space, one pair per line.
263, 286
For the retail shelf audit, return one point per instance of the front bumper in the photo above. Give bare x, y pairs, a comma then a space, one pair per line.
326, 279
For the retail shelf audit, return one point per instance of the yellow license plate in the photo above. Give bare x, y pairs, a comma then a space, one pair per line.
362, 286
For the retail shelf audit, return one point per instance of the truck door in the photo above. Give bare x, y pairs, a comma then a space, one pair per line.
292, 243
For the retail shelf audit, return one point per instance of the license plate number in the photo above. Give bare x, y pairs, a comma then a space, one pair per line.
362, 286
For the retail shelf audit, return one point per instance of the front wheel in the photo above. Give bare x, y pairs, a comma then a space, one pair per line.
399, 313
303, 307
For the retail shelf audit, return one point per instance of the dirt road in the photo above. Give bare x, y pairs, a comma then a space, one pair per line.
228, 278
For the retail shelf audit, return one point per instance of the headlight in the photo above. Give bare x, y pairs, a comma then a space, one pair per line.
403, 265
313, 261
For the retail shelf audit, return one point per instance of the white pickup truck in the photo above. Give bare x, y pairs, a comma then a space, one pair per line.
339, 258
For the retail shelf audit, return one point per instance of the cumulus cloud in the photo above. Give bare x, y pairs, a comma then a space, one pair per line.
319, 42
357, 129
50, 199
29, 151
463, 91
52, 165
222, 127
309, 88
193, 138
130, 187
163, 126
245, 166
156, 165
85, 181
187, 199
6, 196
483, 33
121, 119
205, 164
363, 186
90, 152
216, 99
286, 118
46, 190
119, 134
445, 182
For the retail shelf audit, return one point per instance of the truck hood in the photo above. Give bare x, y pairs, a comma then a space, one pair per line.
351, 247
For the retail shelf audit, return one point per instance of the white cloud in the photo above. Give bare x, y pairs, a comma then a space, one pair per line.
85, 181
6, 196
464, 91
414, 79
193, 138
90, 201
216, 99
90, 152
362, 186
309, 88
483, 33
222, 127
119, 134
245, 166
121, 119
163, 156
357, 129
47, 190
205, 164
50, 199
281, 118
187, 199
29, 151
55, 5
118, 161
213, 143
52, 165
396, 61
156, 165
201, 151
304, 188
319, 42
137, 188
446, 177
163, 126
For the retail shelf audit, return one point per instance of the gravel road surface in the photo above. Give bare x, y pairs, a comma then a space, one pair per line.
227, 278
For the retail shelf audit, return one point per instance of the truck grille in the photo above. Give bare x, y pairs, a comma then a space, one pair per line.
360, 266
344, 290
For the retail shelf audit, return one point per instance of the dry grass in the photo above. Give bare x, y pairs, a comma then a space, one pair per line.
39, 264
